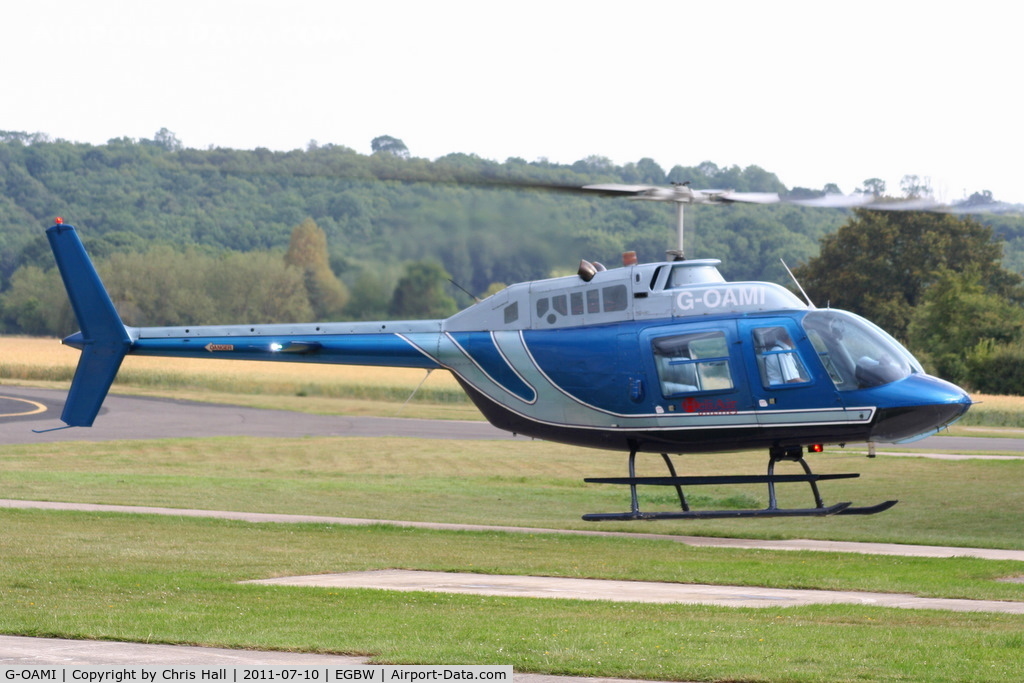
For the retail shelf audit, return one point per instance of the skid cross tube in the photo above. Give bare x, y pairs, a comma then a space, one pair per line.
775, 456
794, 454
633, 480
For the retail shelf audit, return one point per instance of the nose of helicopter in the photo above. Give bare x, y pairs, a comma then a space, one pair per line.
916, 407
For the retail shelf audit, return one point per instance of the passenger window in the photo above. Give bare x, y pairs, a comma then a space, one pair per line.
558, 303
777, 359
542, 307
593, 301
615, 298
577, 303
690, 363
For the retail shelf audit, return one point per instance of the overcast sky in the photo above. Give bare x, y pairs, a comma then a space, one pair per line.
815, 92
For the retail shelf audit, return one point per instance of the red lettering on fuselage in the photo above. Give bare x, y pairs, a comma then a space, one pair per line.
709, 406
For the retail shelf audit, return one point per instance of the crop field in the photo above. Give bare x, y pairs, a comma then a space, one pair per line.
177, 579
320, 388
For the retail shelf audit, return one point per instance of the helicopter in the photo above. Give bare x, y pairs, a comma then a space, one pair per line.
666, 358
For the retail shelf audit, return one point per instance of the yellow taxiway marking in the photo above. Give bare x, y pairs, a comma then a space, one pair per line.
35, 408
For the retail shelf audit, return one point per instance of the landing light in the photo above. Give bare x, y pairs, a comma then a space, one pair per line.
275, 347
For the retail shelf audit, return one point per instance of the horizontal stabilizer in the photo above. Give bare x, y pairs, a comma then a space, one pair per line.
104, 341
95, 373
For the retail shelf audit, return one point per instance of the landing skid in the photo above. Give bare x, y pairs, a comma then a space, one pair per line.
773, 509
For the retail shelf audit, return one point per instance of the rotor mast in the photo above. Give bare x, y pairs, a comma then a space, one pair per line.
680, 196
678, 254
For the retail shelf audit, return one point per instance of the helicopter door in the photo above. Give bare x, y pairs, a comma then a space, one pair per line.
781, 367
697, 369
631, 372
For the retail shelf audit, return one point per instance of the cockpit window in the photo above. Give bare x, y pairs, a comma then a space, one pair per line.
856, 353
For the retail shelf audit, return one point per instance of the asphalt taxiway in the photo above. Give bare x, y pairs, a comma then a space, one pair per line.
26, 413
31, 415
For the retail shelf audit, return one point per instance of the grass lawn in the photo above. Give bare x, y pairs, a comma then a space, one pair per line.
153, 579
975, 503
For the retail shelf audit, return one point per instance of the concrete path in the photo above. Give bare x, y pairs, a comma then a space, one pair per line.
698, 541
21, 651
628, 591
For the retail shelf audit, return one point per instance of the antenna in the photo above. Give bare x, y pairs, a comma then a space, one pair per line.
797, 283
466, 291
414, 391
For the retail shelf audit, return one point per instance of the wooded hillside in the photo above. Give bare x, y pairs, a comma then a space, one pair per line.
380, 209
383, 210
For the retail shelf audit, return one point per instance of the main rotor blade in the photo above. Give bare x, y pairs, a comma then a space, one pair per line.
836, 201
751, 197
869, 201
681, 194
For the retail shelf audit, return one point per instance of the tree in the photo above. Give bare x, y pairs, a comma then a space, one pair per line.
308, 252
997, 368
594, 164
371, 295
978, 199
257, 286
385, 144
650, 172
914, 187
167, 141
162, 286
880, 263
420, 293
36, 304
954, 317
875, 186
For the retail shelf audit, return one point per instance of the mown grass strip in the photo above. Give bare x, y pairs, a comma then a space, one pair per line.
973, 503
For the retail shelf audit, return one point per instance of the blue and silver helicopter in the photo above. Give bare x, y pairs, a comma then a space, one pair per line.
666, 358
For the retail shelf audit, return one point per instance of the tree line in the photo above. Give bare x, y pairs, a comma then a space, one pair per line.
164, 286
484, 221
219, 235
934, 281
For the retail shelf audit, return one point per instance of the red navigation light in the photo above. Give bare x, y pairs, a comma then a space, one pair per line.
58, 221
815, 448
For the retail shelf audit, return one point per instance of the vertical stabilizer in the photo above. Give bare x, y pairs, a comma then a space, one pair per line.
104, 341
